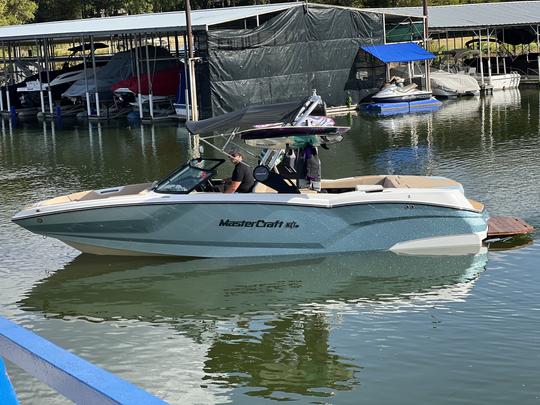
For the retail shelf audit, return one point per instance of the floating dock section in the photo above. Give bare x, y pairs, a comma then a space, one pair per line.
504, 227
385, 109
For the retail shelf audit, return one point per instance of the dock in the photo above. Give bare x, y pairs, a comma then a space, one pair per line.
384, 109
501, 227
68, 374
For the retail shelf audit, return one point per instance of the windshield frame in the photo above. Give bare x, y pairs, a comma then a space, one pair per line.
192, 165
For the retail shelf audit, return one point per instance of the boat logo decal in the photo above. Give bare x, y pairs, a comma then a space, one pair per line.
261, 223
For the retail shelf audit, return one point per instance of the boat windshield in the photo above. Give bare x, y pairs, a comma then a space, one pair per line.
196, 173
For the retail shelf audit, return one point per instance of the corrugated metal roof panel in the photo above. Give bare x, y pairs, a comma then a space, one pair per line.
475, 15
158, 22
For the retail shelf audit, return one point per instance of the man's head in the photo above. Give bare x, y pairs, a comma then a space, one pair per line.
235, 156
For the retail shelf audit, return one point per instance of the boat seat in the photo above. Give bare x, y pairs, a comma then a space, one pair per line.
391, 181
478, 206
126, 190
93, 195
262, 188
407, 87
351, 182
420, 182
368, 188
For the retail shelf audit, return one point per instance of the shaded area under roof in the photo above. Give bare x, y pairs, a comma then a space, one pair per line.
157, 22
404, 52
470, 16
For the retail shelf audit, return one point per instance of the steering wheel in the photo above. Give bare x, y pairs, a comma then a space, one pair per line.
209, 186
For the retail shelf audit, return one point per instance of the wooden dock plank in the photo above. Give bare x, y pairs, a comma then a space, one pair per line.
508, 226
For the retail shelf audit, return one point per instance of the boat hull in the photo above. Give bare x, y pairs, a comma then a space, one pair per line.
402, 98
261, 229
503, 81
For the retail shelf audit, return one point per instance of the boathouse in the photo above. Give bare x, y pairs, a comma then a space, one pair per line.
243, 55
493, 38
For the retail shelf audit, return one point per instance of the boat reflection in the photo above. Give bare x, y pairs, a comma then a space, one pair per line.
266, 321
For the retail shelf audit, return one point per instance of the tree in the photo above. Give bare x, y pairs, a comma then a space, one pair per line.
16, 11
57, 10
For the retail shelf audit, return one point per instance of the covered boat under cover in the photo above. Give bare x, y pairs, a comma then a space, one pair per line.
121, 66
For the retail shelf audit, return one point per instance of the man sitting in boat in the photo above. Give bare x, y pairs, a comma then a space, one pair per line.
242, 180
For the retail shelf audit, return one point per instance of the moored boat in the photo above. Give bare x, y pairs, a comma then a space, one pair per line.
187, 214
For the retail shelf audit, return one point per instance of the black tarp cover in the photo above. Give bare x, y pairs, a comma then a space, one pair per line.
301, 49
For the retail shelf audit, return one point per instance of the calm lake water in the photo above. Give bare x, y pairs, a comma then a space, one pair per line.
364, 328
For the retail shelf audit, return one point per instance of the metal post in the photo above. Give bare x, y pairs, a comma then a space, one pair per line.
50, 52
176, 45
8, 82
40, 70
138, 71
384, 27
149, 76
426, 62
192, 78
87, 94
489, 57
5, 81
497, 53
47, 73
448, 51
504, 57
480, 58
186, 78
538, 51
96, 92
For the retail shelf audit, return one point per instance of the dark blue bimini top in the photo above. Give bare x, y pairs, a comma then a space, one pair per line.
404, 52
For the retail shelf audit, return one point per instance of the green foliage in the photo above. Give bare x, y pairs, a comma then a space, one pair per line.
52, 10
16, 11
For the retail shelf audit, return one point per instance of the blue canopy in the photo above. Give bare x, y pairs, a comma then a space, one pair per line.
404, 52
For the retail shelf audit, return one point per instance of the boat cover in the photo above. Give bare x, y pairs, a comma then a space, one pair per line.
164, 83
458, 83
120, 67
403, 52
247, 117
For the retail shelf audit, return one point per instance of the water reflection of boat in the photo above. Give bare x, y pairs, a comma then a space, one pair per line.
508, 98
265, 320
103, 288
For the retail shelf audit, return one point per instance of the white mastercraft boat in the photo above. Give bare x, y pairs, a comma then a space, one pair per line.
186, 214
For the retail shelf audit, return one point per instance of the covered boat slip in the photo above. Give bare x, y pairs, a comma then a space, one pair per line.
242, 56
505, 35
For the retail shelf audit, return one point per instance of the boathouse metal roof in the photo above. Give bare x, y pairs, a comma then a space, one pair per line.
138, 23
403, 52
475, 16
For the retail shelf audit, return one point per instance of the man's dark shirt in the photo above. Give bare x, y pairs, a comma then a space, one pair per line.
243, 174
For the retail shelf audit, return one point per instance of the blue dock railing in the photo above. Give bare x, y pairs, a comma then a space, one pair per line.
71, 376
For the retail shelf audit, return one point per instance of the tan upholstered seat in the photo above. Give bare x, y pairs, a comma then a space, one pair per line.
262, 188
478, 206
92, 195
